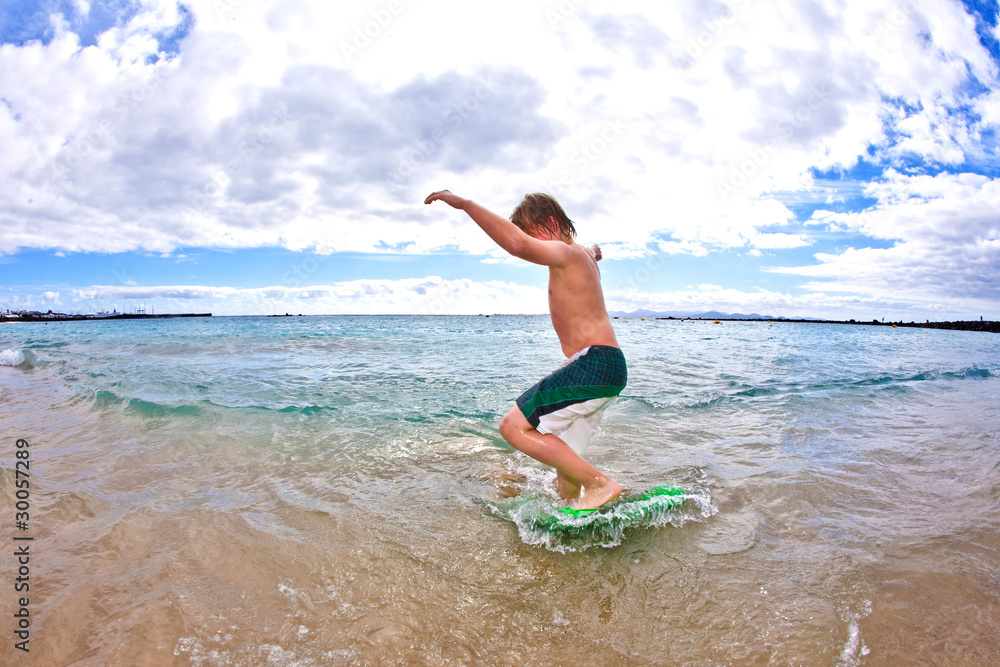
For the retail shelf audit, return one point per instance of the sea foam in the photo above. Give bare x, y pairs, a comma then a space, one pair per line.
22, 358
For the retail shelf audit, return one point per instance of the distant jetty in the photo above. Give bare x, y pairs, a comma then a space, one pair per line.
35, 316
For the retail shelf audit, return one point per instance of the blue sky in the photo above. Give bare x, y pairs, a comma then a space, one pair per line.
790, 158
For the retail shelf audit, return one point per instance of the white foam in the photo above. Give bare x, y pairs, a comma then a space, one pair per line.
854, 648
11, 358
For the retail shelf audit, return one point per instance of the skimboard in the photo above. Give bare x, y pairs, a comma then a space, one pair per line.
544, 521
649, 504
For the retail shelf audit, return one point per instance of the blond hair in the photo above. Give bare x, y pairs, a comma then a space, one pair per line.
534, 211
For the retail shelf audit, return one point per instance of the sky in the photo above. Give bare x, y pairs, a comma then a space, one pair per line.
792, 158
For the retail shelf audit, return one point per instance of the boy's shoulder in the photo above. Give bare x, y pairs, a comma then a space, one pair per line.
584, 254
571, 254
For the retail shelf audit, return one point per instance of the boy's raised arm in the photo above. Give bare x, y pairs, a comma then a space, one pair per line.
506, 234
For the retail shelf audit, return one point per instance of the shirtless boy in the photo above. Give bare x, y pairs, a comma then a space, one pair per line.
554, 420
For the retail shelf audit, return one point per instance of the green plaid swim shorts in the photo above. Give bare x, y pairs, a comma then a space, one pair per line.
569, 402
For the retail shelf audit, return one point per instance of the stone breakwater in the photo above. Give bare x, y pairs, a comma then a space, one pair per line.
974, 325
992, 327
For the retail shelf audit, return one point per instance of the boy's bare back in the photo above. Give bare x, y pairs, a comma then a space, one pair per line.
576, 302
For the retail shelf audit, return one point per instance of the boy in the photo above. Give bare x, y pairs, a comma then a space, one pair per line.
554, 420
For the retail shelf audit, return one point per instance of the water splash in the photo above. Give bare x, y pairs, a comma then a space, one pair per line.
854, 648
540, 523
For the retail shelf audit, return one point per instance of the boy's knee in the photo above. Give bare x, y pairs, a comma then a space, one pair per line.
510, 423
505, 426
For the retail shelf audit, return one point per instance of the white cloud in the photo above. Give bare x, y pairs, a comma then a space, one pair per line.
941, 208
256, 103
82, 6
670, 127
945, 243
428, 295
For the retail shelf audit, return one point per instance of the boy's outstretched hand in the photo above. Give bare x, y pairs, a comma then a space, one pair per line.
447, 197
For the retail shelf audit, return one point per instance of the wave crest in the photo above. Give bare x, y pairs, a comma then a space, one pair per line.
18, 358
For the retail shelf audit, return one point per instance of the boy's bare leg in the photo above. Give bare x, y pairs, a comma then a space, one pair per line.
568, 489
597, 488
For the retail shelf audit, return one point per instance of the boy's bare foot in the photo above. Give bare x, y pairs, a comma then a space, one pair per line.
597, 496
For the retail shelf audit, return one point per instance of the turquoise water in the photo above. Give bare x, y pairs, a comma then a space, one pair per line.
314, 490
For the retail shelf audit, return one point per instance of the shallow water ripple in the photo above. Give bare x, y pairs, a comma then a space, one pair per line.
299, 491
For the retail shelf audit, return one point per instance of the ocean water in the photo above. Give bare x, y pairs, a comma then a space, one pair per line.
333, 490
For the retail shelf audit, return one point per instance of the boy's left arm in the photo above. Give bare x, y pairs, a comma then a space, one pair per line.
505, 233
